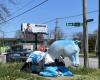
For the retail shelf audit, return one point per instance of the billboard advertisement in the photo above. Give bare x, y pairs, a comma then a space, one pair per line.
35, 28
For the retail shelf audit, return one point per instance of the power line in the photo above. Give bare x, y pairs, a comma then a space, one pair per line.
23, 7
70, 16
78, 15
72, 27
50, 20
12, 31
25, 12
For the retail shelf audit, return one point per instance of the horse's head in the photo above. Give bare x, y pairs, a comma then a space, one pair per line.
72, 51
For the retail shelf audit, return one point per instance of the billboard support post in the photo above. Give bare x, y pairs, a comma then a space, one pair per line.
35, 41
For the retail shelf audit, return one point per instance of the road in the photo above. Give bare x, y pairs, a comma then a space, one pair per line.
93, 62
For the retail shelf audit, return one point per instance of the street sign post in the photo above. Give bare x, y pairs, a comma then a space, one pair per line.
77, 24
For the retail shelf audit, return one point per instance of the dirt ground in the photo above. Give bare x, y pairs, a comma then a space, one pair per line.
63, 77
60, 77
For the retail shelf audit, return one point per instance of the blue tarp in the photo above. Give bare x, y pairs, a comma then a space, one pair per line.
54, 71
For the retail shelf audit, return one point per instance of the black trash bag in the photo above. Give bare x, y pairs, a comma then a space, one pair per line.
38, 67
59, 63
27, 67
56, 63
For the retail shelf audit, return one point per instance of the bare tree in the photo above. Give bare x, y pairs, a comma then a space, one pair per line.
57, 33
4, 12
96, 43
79, 36
13, 1
18, 34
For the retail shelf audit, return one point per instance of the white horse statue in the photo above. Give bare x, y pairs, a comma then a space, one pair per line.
65, 48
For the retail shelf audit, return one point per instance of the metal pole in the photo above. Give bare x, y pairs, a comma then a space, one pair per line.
98, 46
85, 35
56, 29
36, 41
3, 40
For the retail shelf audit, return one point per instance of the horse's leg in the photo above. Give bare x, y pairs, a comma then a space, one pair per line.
72, 58
76, 55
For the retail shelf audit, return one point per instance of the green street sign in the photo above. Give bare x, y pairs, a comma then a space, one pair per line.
77, 24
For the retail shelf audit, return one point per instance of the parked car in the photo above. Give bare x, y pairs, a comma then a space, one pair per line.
20, 55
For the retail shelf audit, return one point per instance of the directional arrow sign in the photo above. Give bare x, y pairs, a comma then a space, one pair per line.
89, 20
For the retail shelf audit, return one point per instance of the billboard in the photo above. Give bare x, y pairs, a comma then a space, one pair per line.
35, 28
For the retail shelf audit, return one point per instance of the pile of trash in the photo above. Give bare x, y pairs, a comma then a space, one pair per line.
54, 71
36, 64
50, 63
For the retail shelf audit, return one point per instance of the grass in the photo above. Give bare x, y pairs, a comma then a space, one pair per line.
11, 72
90, 55
85, 73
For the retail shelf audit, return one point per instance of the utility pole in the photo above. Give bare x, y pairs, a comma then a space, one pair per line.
3, 39
55, 33
85, 35
98, 45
